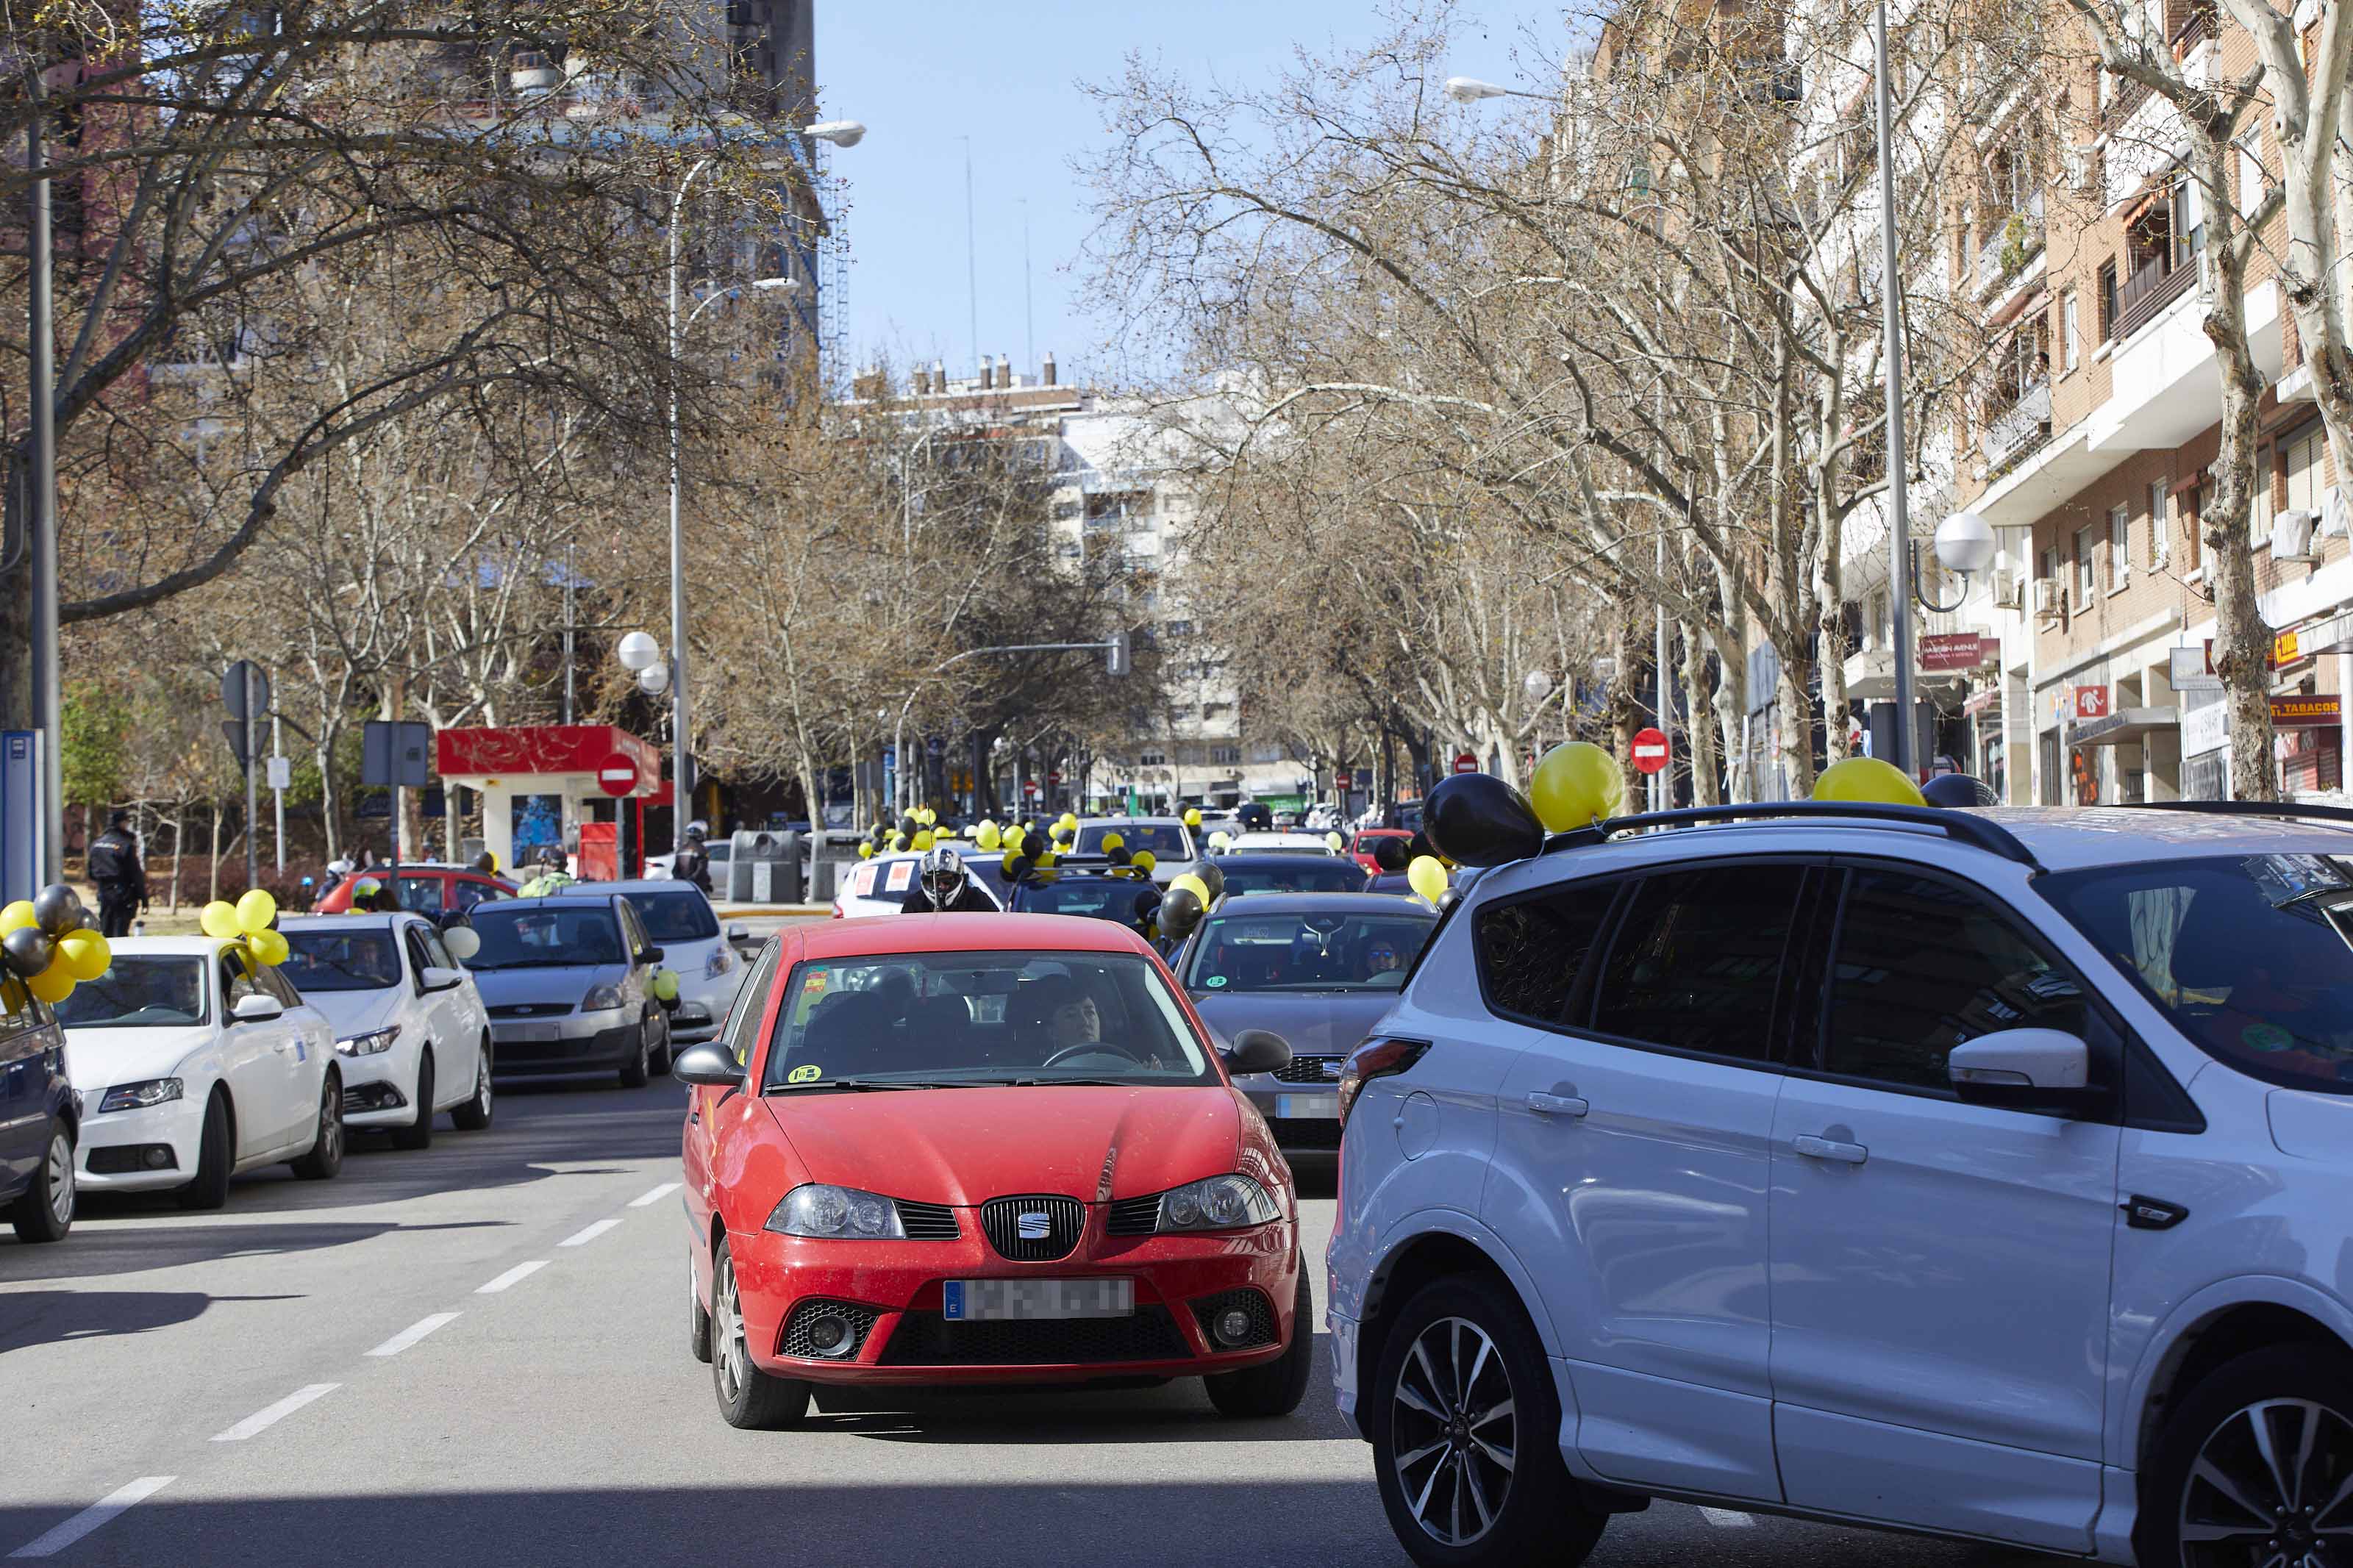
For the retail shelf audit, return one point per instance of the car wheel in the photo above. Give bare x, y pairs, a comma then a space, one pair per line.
475, 1115
660, 1057
1276, 1387
45, 1211
1465, 1423
208, 1188
698, 1319
326, 1155
2251, 1465
419, 1133
638, 1069
748, 1397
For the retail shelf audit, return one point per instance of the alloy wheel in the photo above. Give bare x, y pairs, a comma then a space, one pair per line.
61, 1178
482, 1085
735, 1355
2272, 1487
1453, 1431
331, 1124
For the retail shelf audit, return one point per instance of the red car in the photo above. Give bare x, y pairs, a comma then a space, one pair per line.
984, 1149
1360, 847
427, 890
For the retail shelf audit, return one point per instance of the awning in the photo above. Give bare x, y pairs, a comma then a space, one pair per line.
2125, 726
2334, 634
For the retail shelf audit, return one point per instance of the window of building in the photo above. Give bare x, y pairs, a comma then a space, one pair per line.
1531, 952
1697, 959
1881, 630
2198, 504
2107, 284
2071, 335
1152, 759
2119, 547
2087, 549
1226, 756
2160, 537
2301, 469
1213, 711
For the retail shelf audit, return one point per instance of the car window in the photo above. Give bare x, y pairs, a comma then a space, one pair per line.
236, 983
137, 991
633, 931
1922, 966
1165, 840
1697, 959
675, 917
341, 960
1530, 952
418, 959
1294, 873
526, 933
466, 892
743, 1026
436, 952
1096, 898
1314, 951
278, 985
422, 894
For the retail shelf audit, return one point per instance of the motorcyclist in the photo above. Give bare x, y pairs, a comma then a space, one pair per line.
942, 885
693, 861
551, 877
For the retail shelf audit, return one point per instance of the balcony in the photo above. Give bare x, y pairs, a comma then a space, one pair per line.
2012, 432
2146, 293
2008, 248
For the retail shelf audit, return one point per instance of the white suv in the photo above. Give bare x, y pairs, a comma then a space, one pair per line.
1980, 1173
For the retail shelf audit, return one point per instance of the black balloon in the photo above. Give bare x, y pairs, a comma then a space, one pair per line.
1121, 856
1477, 820
1212, 879
1146, 901
28, 951
58, 910
1958, 790
1419, 845
1180, 911
1392, 854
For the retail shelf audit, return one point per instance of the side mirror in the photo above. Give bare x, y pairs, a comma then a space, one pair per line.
435, 978
2047, 1070
651, 955
739, 933
256, 1008
707, 1066
1257, 1050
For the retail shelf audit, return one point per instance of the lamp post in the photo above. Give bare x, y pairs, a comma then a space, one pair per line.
1891, 292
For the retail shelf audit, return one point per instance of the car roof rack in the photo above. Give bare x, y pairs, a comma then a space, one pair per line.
2281, 808
1958, 825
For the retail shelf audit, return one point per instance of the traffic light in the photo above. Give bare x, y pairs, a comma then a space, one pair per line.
1116, 658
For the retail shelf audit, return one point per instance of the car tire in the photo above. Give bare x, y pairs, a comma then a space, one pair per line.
45, 1211
748, 1397
326, 1156
660, 1061
208, 1188
419, 1133
698, 1319
637, 1070
474, 1116
2298, 1391
1435, 1500
1276, 1387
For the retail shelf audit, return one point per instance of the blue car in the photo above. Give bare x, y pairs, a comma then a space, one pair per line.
40, 1119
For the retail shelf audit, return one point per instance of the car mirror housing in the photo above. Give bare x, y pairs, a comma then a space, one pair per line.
708, 1066
256, 1008
653, 956
2024, 1070
1257, 1050
438, 979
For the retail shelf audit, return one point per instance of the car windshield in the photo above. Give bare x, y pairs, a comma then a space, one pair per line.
675, 917
138, 992
1011, 1017
1164, 840
524, 934
2249, 956
1097, 898
1314, 951
1294, 873
341, 960
422, 894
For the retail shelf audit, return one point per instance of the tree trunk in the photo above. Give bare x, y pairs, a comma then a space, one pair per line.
1626, 711
179, 831
212, 888
1795, 730
1699, 694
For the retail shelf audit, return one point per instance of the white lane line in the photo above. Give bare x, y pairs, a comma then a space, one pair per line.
263, 1419
1726, 1519
90, 1518
587, 1233
414, 1332
515, 1276
651, 1198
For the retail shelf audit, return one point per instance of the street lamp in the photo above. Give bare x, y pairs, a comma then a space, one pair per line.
1537, 685
841, 132
1965, 547
1471, 90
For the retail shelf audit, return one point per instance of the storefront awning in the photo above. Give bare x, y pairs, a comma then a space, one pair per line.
2125, 726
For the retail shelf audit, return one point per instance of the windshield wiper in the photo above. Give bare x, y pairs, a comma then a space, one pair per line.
859, 1084
546, 963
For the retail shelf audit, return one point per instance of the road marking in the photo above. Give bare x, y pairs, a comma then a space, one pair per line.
96, 1514
651, 1198
1726, 1519
261, 1420
582, 1237
515, 1276
414, 1332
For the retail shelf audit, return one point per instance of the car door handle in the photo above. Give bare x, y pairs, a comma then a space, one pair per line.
1544, 1104
1831, 1148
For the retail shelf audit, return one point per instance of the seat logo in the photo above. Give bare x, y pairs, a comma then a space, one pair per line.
1033, 1225
1332, 1066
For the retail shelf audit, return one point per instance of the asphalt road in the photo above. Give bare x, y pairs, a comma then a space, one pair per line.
477, 1354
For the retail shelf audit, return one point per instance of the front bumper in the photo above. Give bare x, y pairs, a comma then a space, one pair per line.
124, 1145
693, 1023
572, 1043
380, 1089
893, 1290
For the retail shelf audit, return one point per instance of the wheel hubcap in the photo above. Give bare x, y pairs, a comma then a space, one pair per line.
1453, 1431
331, 1123
61, 1178
2272, 1487
482, 1086
734, 1358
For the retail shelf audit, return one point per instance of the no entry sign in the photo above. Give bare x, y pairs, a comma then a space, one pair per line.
617, 774
1649, 750
1465, 762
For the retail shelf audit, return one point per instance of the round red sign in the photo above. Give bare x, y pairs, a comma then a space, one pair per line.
1054, 777
1465, 762
1030, 787
617, 774
1649, 750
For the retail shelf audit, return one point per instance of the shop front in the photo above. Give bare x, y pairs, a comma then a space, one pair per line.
542, 783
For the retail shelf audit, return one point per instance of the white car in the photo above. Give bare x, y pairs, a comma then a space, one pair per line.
192, 1068
877, 887
410, 1027
1285, 843
681, 922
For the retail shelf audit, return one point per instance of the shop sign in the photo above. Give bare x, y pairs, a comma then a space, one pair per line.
1942, 653
2283, 649
2091, 702
2205, 729
2306, 712
2192, 670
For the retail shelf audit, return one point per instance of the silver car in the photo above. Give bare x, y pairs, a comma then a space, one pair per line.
568, 982
1318, 969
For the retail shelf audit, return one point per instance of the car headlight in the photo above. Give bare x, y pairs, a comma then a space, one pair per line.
836, 1213
375, 1042
139, 1096
717, 964
601, 998
1219, 1203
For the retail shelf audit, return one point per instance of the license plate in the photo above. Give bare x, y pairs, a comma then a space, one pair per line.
1292, 1107
528, 1032
982, 1301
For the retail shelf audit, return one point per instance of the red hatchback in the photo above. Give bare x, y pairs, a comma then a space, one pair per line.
424, 890
1360, 847
970, 1148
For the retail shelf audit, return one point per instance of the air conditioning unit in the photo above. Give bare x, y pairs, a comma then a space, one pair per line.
2046, 597
2337, 514
2292, 534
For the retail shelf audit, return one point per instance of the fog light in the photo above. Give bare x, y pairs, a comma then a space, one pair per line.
1233, 1325
158, 1157
829, 1334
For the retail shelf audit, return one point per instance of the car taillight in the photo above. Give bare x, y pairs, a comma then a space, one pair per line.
1375, 1058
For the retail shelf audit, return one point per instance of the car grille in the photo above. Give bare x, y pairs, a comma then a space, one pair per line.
796, 1340
1304, 1131
926, 1338
1209, 1309
1308, 1069
530, 1009
1066, 1220
1134, 1217
926, 1222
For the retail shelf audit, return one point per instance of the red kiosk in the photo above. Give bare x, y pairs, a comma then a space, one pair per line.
549, 784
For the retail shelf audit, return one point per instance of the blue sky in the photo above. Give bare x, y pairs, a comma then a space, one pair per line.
922, 73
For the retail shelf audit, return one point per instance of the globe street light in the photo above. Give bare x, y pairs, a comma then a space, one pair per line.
635, 651
1538, 686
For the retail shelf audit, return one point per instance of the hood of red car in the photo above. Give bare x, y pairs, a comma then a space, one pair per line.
965, 1146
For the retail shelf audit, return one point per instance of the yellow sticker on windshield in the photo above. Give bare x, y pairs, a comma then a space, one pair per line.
805, 1074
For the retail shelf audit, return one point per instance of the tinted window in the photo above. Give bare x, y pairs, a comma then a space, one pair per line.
1097, 898
1697, 959
341, 960
675, 917
1531, 952
1317, 951
522, 933
1923, 965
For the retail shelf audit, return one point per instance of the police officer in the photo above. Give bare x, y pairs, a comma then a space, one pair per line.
942, 885
122, 881
693, 861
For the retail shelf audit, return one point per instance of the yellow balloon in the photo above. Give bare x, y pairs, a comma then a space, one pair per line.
1426, 877
84, 953
1145, 860
218, 918
1217, 842
1013, 839
1193, 885
256, 911
1192, 817
988, 837
922, 839
1047, 860
927, 817
865, 851
52, 985
1112, 841
17, 917
271, 947
1069, 822
1576, 784
1335, 841
665, 986
1861, 779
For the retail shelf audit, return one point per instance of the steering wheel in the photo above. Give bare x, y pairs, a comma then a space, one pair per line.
1088, 1047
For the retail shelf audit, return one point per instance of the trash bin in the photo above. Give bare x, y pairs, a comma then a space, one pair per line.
831, 851
764, 867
